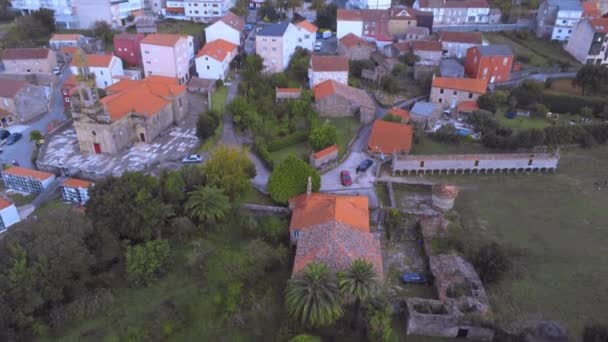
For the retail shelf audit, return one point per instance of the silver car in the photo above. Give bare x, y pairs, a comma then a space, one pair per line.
193, 159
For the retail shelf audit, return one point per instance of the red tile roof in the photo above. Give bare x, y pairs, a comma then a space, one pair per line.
164, 39
467, 106
77, 183
28, 173
402, 113
454, 4
4, 203
319, 208
307, 26
402, 46
233, 21
25, 53
351, 40
10, 88
70, 49
599, 25
144, 97
288, 90
135, 37
97, 61
388, 137
401, 13
331, 87
349, 15
465, 84
590, 9
218, 49
461, 37
328, 63
66, 37
426, 45
325, 152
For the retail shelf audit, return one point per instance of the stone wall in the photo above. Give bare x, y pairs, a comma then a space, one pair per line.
31, 102
356, 52
447, 98
335, 106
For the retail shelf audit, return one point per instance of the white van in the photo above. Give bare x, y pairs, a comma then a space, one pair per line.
326, 34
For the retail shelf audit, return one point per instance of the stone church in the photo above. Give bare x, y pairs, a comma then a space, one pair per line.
132, 111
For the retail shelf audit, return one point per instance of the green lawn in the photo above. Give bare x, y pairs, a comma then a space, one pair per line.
300, 150
183, 27
19, 199
535, 51
558, 224
218, 99
521, 122
382, 193
347, 129
256, 197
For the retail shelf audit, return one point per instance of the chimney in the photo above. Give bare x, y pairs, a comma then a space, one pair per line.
308, 187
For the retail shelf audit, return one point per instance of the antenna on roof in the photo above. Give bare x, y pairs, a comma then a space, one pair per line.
308, 187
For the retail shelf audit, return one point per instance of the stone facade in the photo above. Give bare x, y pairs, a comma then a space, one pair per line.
28, 102
17, 61
324, 157
357, 52
475, 163
338, 106
316, 77
451, 97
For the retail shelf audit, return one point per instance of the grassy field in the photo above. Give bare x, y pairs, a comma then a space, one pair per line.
299, 150
557, 222
183, 27
347, 129
218, 102
532, 50
564, 85
256, 197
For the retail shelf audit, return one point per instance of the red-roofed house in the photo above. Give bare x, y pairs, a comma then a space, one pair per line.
588, 43
213, 60
401, 19
307, 35
287, 93
455, 44
401, 113
127, 47
322, 68
106, 68
466, 107
324, 157
333, 230
230, 28
26, 180
28, 60
429, 51
355, 48
132, 111
370, 24
76, 190
8, 214
489, 62
337, 99
390, 137
59, 41
451, 91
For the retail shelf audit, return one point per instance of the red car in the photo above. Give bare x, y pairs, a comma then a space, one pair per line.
345, 178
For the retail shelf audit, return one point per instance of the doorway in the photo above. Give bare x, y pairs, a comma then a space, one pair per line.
97, 148
142, 137
462, 333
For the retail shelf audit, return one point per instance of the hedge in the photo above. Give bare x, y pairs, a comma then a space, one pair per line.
292, 139
562, 103
290, 178
263, 153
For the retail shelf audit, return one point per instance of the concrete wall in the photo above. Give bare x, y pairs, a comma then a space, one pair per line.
470, 163
90, 11
400, 26
31, 102
316, 77
271, 51
356, 52
210, 68
335, 106
10, 216
30, 66
428, 57
579, 44
455, 49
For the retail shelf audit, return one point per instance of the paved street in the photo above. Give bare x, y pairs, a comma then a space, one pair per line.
22, 150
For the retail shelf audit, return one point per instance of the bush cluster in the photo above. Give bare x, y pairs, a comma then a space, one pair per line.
288, 140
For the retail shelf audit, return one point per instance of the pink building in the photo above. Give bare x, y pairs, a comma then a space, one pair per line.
167, 55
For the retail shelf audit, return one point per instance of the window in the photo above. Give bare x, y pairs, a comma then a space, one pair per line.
196, 12
306, 36
299, 40
274, 49
563, 22
93, 132
180, 102
105, 83
476, 163
485, 71
101, 72
296, 233
207, 67
206, 58
422, 163
131, 54
530, 162
470, 95
440, 100
274, 40
455, 93
126, 49
504, 61
146, 52
119, 49
559, 31
440, 91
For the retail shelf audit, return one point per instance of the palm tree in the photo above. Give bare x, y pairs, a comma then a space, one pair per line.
358, 284
313, 296
207, 204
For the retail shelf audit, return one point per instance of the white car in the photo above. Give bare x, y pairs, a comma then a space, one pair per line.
193, 159
318, 46
57, 70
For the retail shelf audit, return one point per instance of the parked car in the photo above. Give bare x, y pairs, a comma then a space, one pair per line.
326, 34
318, 46
510, 115
248, 27
57, 70
13, 138
319, 35
4, 134
413, 278
345, 178
193, 159
364, 165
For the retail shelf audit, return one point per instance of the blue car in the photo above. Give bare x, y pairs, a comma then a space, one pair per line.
319, 35
364, 165
413, 278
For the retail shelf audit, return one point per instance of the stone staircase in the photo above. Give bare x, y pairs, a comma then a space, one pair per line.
48, 192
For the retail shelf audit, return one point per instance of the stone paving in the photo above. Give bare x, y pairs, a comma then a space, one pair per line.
174, 144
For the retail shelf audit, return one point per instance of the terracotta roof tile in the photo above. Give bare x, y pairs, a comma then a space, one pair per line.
144, 97
77, 183
69, 49
29, 173
467, 106
401, 13
590, 9
288, 90
233, 21
25, 53
349, 15
135, 37
4, 203
426, 45
164, 39
600, 25
465, 84
461, 37
388, 137
66, 37
218, 49
402, 113
10, 88
305, 24
319, 208
325, 152
97, 61
454, 4
351, 40
375, 15
402, 46
331, 87
328, 63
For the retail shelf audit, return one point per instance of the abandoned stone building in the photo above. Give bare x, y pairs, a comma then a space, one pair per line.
21, 101
403, 164
133, 111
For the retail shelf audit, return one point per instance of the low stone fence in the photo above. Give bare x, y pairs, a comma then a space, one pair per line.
266, 209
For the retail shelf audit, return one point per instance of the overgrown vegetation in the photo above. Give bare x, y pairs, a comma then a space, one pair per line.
290, 178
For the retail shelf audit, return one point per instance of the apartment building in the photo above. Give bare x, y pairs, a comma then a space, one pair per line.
492, 63
28, 61
451, 12
167, 55
76, 190
229, 28
589, 41
197, 10
556, 18
307, 34
276, 43
26, 180
127, 47
450, 92
115, 13
107, 69
63, 9
8, 214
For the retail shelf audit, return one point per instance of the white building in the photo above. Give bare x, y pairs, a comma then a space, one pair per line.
276, 43
556, 18
167, 55
323, 68
371, 4
349, 21
213, 60
229, 28
8, 214
64, 11
76, 190
107, 69
589, 43
197, 10
453, 12
307, 35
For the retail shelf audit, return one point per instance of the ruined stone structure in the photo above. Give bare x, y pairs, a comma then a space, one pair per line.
443, 196
405, 164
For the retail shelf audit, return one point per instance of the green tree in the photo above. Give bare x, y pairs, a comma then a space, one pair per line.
305, 338
491, 261
409, 59
102, 30
586, 112
46, 18
392, 118
527, 93
595, 332
591, 77
323, 136
326, 17
317, 5
207, 123
379, 323
540, 110
290, 178
313, 296
172, 186
229, 169
487, 102
207, 204
35, 135
358, 284
147, 261
240, 8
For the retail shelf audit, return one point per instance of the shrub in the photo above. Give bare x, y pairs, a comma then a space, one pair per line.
260, 147
562, 103
206, 124
586, 112
487, 102
540, 110
288, 140
290, 178
595, 333
322, 137
146, 261
388, 84
491, 261
447, 134
528, 93
357, 66
392, 118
